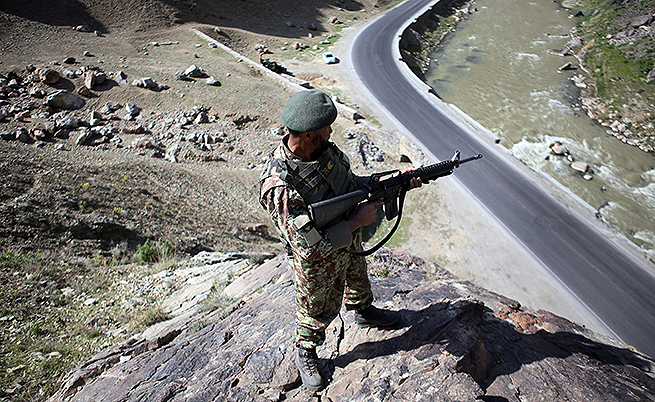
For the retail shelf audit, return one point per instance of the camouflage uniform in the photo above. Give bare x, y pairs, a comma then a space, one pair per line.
323, 271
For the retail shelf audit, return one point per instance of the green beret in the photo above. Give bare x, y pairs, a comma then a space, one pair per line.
309, 111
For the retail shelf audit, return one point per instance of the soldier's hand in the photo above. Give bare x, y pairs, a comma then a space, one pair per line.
414, 182
364, 215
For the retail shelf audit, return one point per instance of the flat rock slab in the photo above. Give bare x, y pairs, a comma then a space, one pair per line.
458, 342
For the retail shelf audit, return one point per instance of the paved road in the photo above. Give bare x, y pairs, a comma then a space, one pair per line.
612, 283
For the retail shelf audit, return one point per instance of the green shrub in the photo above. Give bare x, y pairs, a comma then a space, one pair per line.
154, 252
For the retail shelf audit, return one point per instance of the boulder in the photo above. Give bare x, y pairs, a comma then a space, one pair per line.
92, 78
85, 137
120, 77
651, 75
22, 135
567, 66
213, 82
560, 52
68, 122
63, 99
581, 167
194, 71
111, 107
147, 83
641, 20
574, 43
558, 149
132, 109
48, 76
457, 342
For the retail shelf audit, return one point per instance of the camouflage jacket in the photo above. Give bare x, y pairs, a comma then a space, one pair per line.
288, 185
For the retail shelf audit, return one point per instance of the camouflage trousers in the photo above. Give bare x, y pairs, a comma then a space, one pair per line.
321, 287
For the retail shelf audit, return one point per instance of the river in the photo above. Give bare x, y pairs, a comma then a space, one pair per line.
497, 69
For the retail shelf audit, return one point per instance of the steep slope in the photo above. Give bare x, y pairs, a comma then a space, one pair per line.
459, 342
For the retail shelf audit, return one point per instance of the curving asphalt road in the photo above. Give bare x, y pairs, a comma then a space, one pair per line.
615, 286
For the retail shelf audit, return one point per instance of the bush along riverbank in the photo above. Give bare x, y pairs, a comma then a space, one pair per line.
615, 45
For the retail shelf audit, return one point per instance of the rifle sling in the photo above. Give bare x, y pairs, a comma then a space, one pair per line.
401, 201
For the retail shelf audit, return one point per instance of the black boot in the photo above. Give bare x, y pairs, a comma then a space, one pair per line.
307, 363
372, 316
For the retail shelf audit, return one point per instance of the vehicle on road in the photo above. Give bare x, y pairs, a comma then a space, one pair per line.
329, 58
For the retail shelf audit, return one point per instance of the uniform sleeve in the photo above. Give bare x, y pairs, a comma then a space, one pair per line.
290, 216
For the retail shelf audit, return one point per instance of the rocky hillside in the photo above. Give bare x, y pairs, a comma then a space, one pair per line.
459, 342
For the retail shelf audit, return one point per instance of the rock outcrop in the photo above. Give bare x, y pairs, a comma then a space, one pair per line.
458, 342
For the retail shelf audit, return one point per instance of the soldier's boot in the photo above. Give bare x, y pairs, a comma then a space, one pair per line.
372, 316
307, 363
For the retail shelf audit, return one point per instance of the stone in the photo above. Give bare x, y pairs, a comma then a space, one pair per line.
40, 134
147, 83
111, 107
651, 75
213, 82
95, 118
37, 93
574, 43
567, 66
83, 28
201, 118
558, 149
85, 137
63, 99
133, 129
120, 77
146, 142
84, 91
68, 122
172, 152
22, 135
641, 20
132, 109
560, 52
48, 76
580, 166
92, 78
194, 71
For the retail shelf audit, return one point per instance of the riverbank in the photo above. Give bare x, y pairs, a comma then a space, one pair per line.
614, 49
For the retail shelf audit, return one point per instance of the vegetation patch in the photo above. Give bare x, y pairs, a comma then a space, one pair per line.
57, 313
619, 54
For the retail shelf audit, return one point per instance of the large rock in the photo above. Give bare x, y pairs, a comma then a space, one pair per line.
93, 78
63, 99
458, 342
48, 76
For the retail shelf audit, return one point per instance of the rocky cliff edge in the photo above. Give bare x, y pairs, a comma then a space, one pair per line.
458, 342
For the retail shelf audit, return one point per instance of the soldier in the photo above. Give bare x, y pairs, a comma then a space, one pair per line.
305, 168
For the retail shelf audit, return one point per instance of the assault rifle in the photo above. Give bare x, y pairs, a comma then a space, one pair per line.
390, 187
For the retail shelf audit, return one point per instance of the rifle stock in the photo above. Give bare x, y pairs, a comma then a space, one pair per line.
324, 212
